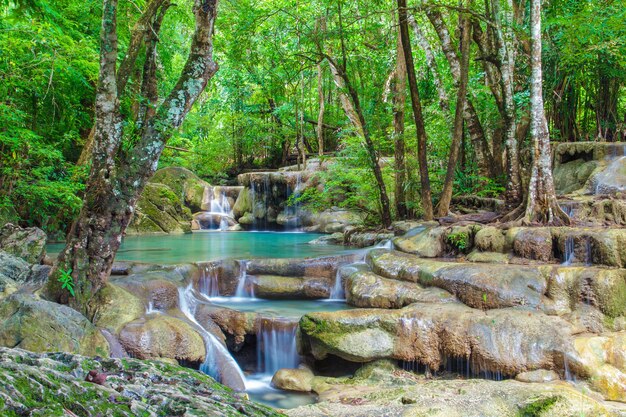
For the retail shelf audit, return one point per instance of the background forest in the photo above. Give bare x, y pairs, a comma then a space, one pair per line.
301, 79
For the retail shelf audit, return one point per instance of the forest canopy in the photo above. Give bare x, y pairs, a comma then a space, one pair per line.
301, 79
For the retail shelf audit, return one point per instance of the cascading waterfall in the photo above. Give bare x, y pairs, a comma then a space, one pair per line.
569, 255
208, 284
218, 362
292, 211
243, 289
276, 345
337, 292
612, 178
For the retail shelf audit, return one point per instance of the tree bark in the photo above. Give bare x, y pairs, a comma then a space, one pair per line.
117, 178
541, 205
446, 196
426, 198
399, 100
320, 115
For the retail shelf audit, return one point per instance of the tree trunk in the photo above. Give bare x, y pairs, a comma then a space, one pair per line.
117, 175
541, 205
446, 196
320, 115
427, 204
475, 129
399, 100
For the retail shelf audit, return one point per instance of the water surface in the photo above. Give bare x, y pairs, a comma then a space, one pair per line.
209, 246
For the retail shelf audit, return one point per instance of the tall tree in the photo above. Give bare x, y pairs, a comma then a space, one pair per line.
466, 29
426, 195
123, 161
399, 101
541, 205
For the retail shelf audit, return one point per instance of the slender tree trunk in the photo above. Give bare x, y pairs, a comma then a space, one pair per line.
320, 115
118, 176
446, 196
399, 100
541, 204
475, 129
427, 204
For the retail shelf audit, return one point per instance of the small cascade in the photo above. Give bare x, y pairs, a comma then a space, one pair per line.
151, 310
276, 345
292, 211
568, 254
260, 197
461, 366
243, 289
218, 362
612, 179
217, 210
208, 283
337, 292
385, 244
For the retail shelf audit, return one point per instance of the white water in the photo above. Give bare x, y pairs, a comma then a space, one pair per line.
569, 255
612, 179
208, 284
385, 244
216, 205
218, 362
293, 211
276, 346
337, 292
151, 309
243, 289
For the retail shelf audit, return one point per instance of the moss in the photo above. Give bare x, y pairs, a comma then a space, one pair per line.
537, 407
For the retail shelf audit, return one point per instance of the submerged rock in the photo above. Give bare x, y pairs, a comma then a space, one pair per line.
30, 323
293, 379
53, 384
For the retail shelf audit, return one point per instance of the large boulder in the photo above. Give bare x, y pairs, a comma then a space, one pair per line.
505, 341
54, 385
490, 239
118, 308
187, 186
28, 244
279, 287
293, 379
163, 337
532, 243
160, 210
427, 242
37, 325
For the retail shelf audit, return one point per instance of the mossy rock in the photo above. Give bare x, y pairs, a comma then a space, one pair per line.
160, 210
119, 308
43, 326
490, 239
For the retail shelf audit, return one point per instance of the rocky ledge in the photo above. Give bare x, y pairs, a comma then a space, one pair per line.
61, 384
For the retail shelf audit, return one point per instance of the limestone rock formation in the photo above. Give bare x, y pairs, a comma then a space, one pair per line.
28, 244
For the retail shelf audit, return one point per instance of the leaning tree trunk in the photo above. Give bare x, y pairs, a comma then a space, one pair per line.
446, 196
427, 204
541, 205
119, 175
399, 100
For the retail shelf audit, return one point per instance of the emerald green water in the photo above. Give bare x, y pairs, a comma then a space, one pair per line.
209, 246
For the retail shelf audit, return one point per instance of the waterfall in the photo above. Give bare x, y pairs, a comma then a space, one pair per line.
218, 362
568, 254
242, 291
337, 292
208, 284
612, 178
276, 345
385, 244
217, 209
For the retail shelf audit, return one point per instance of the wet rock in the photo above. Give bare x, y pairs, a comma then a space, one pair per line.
430, 333
53, 385
488, 257
293, 379
234, 324
603, 360
538, 376
366, 289
28, 244
280, 287
206, 220
333, 239
361, 239
533, 243
477, 285
37, 325
325, 267
490, 239
398, 393
119, 307
427, 242
160, 336
331, 221
404, 226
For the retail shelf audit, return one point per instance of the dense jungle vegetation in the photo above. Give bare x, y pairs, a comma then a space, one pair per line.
300, 79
